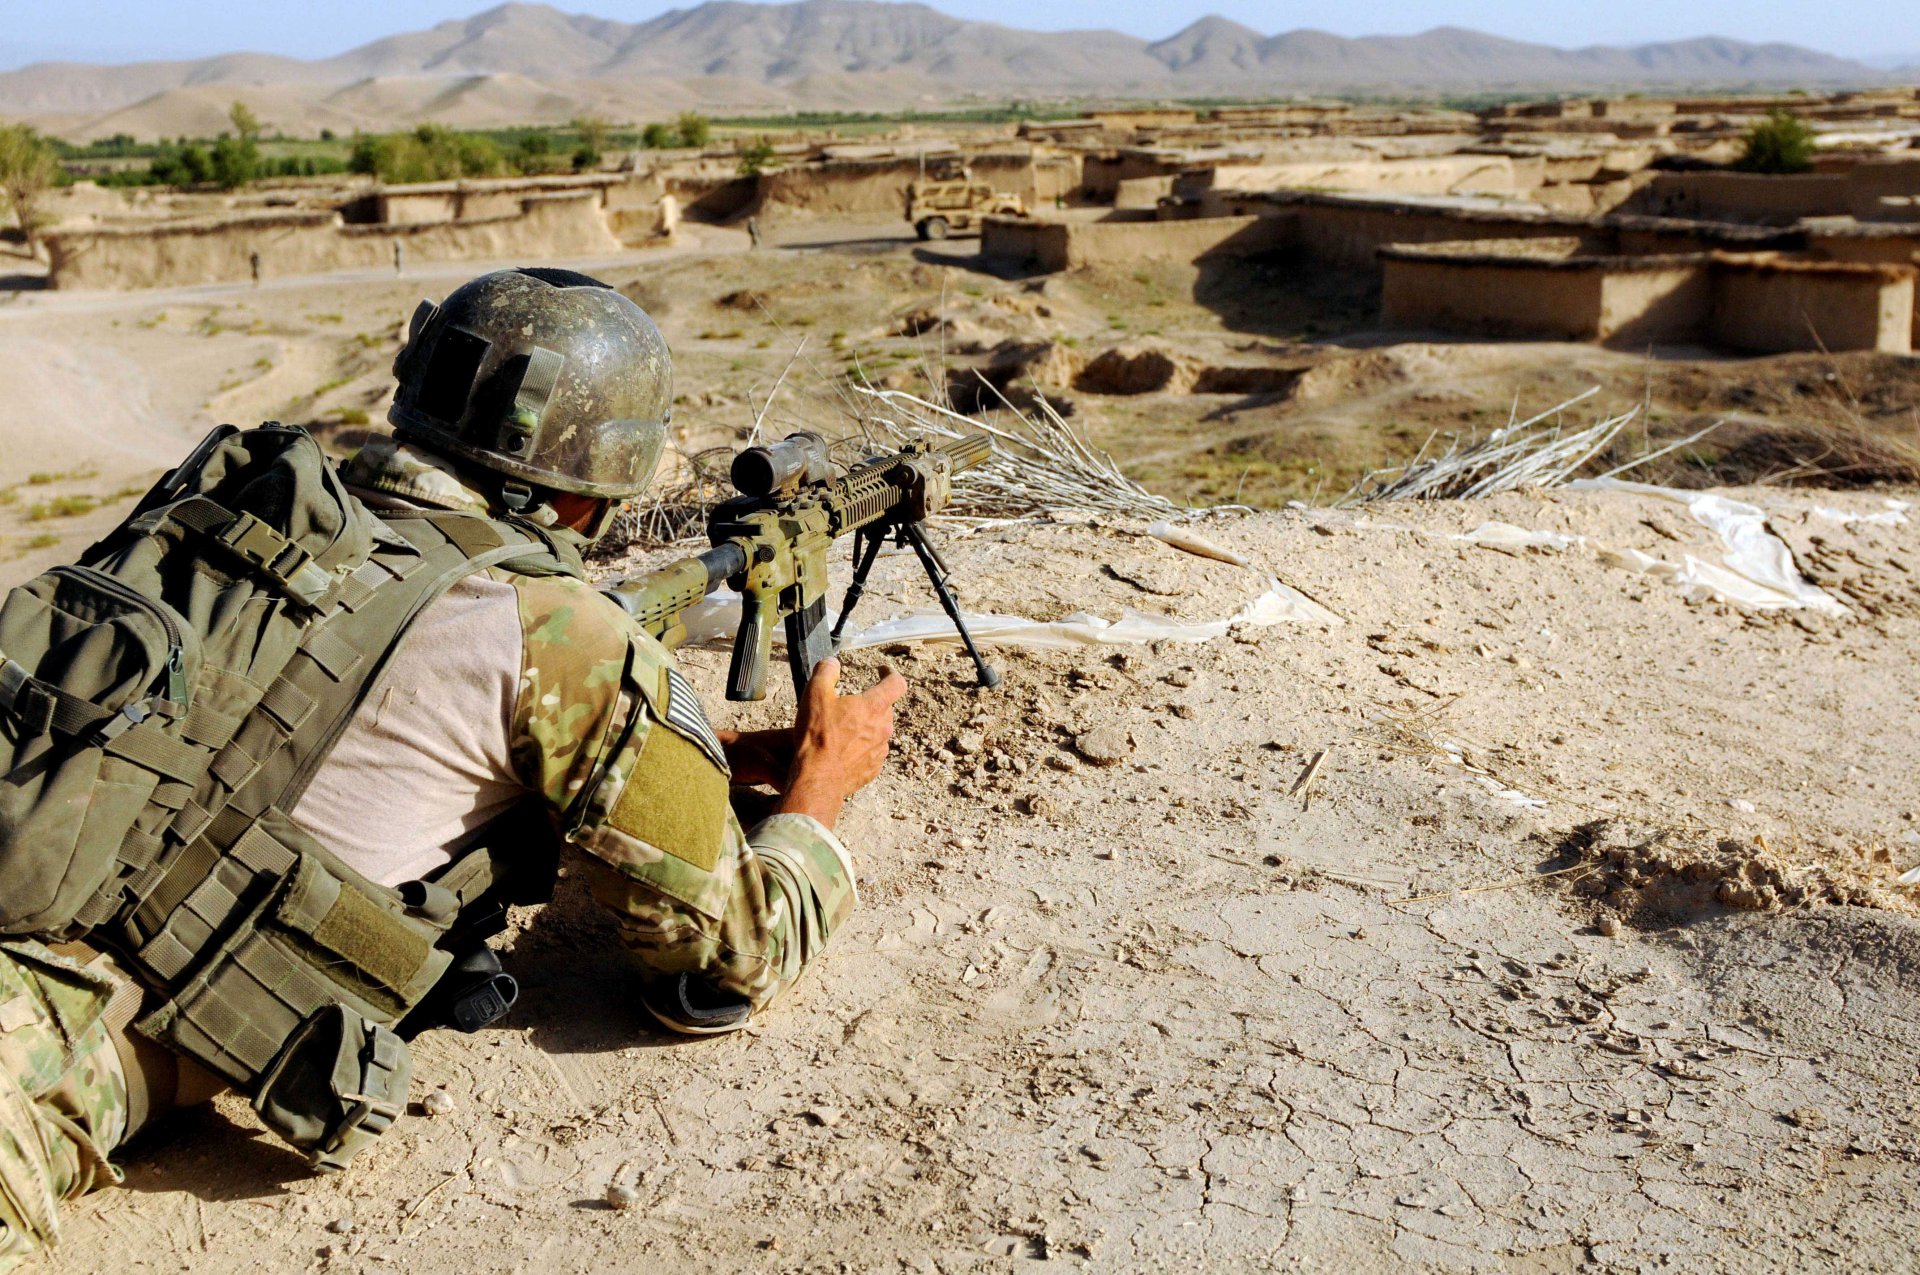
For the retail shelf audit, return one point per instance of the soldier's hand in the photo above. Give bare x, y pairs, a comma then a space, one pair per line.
760, 756
842, 741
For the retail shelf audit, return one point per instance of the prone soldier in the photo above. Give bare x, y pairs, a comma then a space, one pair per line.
394, 802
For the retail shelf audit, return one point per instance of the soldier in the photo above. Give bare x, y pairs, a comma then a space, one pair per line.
520, 689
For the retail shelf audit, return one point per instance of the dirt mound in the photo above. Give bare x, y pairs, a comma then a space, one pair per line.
1668, 877
1135, 369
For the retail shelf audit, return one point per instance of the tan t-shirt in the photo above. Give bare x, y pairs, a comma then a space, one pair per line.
426, 762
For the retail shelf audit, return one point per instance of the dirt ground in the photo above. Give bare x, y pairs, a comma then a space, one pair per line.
1579, 947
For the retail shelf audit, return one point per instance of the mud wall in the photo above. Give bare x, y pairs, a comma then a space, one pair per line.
712, 199
1028, 245
1043, 246
1764, 305
1352, 234
1490, 296
1763, 199
877, 188
1141, 192
1885, 190
214, 251
1102, 173
1755, 302
1655, 301
1439, 175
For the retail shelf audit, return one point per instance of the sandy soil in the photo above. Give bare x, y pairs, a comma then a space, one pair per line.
1581, 951
1164, 1014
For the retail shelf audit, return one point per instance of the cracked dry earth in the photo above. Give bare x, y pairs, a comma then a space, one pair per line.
1165, 1014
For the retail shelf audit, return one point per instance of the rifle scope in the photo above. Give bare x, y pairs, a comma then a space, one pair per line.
800, 458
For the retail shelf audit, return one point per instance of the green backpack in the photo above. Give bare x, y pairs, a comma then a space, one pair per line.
163, 703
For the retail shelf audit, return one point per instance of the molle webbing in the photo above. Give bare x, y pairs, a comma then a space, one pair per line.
251, 925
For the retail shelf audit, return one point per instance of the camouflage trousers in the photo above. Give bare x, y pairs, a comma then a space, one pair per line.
63, 1094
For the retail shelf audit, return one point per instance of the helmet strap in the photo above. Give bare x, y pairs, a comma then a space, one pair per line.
516, 496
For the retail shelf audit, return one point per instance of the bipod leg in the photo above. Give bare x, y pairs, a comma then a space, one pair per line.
866, 548
914, 534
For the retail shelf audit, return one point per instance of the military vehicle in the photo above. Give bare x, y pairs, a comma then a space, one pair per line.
948, 201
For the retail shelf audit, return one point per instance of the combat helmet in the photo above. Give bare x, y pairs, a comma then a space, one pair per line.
550, 378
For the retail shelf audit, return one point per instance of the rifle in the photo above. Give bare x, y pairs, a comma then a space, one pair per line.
770, 543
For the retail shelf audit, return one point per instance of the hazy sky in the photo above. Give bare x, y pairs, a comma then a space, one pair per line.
126, 30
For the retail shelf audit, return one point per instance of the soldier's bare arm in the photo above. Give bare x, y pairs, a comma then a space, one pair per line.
841, 744
615, 740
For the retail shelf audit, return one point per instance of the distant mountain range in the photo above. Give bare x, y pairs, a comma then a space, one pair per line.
531, 62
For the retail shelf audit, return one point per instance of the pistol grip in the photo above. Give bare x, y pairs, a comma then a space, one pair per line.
752, 649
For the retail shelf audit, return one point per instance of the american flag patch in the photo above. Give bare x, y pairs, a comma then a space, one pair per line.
686, 716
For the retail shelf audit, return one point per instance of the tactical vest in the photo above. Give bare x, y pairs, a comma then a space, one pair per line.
164, 703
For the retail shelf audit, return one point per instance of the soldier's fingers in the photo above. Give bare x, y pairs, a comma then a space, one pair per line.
889, 688
826, 677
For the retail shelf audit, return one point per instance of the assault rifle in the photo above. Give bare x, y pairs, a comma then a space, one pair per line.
770, 543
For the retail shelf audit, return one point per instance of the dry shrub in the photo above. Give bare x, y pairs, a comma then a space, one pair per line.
1849, 452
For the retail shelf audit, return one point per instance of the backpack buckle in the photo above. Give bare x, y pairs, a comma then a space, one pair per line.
24, 699
120, 723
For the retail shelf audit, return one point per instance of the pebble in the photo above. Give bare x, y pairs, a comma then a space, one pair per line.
341, 1226
967, 743
622, 1197
437, 1103
1608, 925
1180, 677
1741, 804
1105, 746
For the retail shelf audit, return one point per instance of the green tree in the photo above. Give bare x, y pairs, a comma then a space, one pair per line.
657, 136
592, 131
1781, 143
429, 153
233, 162
245, 123
694, 128
532, 154
27, 168
755, 156
364, 155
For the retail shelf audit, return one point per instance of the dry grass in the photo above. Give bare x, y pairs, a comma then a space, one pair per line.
1525, 453
1040, 466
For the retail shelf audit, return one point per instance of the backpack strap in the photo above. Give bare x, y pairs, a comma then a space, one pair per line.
267, 947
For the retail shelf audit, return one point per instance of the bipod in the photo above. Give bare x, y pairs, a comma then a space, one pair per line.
866, 550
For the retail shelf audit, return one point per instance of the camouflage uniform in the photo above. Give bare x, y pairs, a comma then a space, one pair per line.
63, 1096
609, 736
612, 739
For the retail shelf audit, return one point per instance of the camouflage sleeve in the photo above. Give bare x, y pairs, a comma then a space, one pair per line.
614, 738
63, 1095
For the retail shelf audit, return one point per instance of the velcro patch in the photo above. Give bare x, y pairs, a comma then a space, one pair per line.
675, 800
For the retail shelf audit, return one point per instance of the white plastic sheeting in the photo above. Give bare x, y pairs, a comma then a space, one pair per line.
1894, 515
718, 618
1756, 568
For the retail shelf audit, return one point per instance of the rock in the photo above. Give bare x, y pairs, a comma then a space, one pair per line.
1608, 925
1105, 745
340, 1226
437, 1103
1741, 804
1180, 677
621, 1197
968, 742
